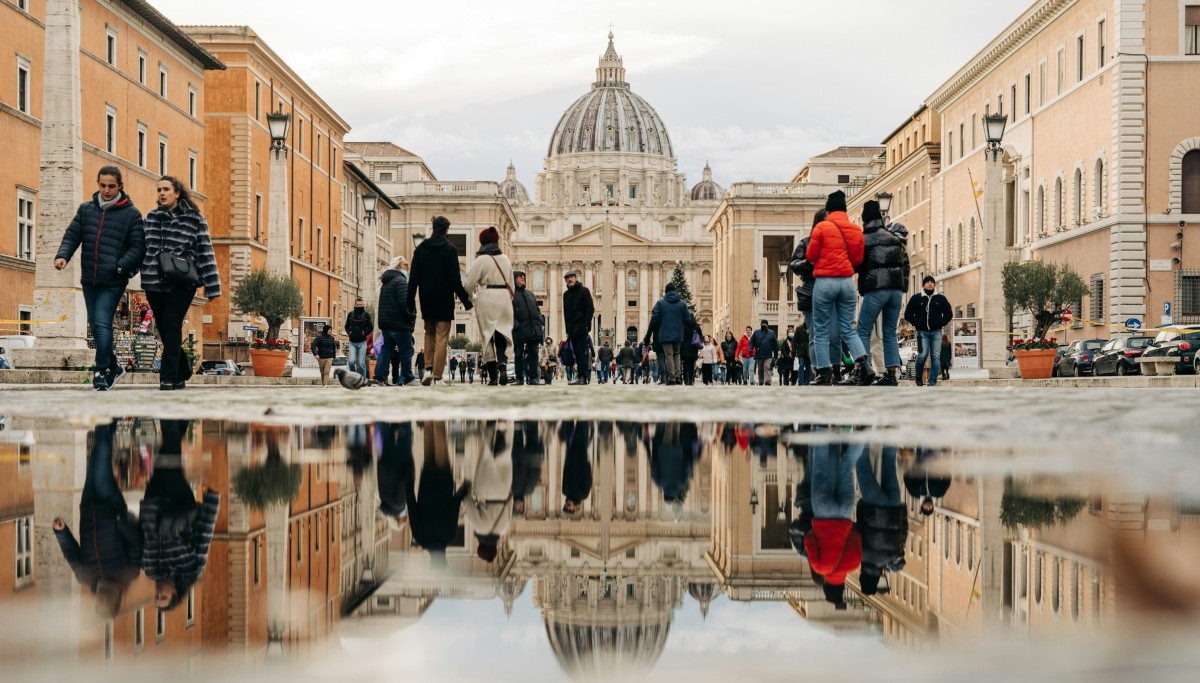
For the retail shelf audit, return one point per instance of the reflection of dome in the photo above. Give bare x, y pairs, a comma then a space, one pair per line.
703, 593
610, 118
512, 189
510, 590
706, 190
612, 649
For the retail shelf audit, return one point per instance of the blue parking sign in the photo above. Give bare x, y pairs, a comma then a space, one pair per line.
1166, 309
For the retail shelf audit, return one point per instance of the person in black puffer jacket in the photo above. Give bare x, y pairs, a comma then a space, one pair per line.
529, 326
324, 347
108, 233
396, 323
882, 281
881, 519
803, 268
733, 366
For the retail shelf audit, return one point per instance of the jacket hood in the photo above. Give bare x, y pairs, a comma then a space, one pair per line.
389, 275
672, 297
898, 230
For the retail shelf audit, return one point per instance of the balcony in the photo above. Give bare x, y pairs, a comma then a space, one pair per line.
791, 190
470, 188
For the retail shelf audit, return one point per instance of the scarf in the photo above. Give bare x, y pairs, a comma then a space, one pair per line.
489, 249
105, 205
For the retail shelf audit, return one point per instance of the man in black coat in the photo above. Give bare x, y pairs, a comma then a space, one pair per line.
929, 312
528, 452
577, 469
359, 326
395, 472
434, 516
324, 347
578, 310
437, 277
109, 228
881, 519
396, 322
529, 328
766, 349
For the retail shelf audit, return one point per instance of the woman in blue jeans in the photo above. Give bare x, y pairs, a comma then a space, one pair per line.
882, 281
835, 248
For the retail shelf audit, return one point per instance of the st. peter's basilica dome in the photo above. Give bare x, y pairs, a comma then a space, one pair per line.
707, 190
610, 118
512, 189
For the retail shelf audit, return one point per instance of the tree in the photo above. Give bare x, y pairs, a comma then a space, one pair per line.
1044, 290
682, 288
459, 341
271, 297
271, 482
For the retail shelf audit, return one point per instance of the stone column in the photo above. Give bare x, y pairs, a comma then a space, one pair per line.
278, 246
57, 293
644, 295
994, 336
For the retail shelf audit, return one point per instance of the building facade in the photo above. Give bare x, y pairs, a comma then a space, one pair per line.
366, 239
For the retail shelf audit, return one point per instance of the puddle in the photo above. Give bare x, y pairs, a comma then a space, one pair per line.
585, 550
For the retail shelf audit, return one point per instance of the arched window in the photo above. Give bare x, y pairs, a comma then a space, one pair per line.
1077, 210
631, 281
1100, 188
1191, 181
705, 280
539, 279
1039, 565
974, 240
1055, 584
949, 249
961, 245
1058, 204
1039, 217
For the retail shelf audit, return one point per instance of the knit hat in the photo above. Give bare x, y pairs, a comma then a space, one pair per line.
835, 594
928, 278
836, 202
763, 322
670, 287
489, 236
871, 212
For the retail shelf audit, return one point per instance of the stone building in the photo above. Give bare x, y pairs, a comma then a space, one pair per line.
366, 239
90, 84
257, 82
610, 163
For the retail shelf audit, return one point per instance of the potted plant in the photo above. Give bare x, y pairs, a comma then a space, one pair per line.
275, 299
1044, 291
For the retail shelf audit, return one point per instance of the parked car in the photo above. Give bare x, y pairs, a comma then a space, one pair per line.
1062, 350
1119, 356
1180, 342
1077, 358
220, 367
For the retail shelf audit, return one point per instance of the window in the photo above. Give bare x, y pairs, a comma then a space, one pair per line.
950, 146
24, 530
300, 237
142, 67
299, 136
970, 310
671, 230
961, 246
23, 5
257, 100
1012, 98
110, 47
1099, 189
1041, 84
257, 561
1097, 311
1190, 184
141, 145
576, 229
1059, 223
962, 140
162, 154
843, 179
1028, 92
1055, 584
191, 607
539, 279
1079, 58
1000, 104
22, 85
631, 281
162, 80
633, 191
258, 217
632, 228
139, 628
974, 241
1191, 30
1039, 569
1077, 198
191, 170
25, 225
385, 177
537, 229
1062, 71
160, 624
191, 100
1187, 295
608, 190
1101, 45
110, 129
974, 131
108, 641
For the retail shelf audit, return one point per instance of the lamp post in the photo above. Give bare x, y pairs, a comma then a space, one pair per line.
368, 253
753, 501
783, 300
370, 201
278, 249
885, 204
995, 251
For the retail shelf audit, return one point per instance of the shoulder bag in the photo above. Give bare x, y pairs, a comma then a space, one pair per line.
177, 269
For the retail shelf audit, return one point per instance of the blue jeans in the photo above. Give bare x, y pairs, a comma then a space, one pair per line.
887, 302
402, 339
357, 358
833, 494
602, 371
805, 373
886, 491
835, 344
931, 346
101, 305
834, 300
747, 371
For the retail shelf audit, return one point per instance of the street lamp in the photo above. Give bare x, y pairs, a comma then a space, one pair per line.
885, 204
753, 500
278, 123
370, 200
754, 283
993, 132
418, 238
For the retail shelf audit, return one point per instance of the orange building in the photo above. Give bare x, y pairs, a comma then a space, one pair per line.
237, 101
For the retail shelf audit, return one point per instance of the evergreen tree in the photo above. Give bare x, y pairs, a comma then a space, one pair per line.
681, 287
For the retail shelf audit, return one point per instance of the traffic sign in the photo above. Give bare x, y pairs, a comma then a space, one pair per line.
250, 328
1166, 309
1133, 324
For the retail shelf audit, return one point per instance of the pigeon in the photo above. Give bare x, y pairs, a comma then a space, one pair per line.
350, 380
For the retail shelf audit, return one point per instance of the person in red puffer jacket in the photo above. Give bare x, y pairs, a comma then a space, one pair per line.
835, 248
834, 546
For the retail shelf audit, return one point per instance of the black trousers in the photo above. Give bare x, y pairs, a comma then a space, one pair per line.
170, 308
525, 360
582, 359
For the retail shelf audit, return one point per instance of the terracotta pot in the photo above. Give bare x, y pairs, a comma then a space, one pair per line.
268, 363
1036, 364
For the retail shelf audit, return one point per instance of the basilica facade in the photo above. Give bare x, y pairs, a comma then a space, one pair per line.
610, 166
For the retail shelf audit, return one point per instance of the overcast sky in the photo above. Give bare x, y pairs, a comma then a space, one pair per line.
755, 87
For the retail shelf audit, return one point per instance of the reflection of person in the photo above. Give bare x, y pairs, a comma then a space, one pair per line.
176, 530
673, 454
921, 485
577, 469
528, 454
834, 547
395, 471
881, 520
489, 509
434, 516
107, 557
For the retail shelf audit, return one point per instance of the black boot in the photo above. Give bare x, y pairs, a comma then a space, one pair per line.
862, 367
850, 379
824, 378
888, 380
835, 372
503, 369
489, 370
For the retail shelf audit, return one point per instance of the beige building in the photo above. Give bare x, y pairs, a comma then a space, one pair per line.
366, 238
1101, 163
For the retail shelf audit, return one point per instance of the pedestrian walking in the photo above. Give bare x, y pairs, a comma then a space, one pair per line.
433, 517
803, 360
488, 508
110, 230
578, 310
549, 361
605, 357
528, 453
179, 258
577, 468
454, 363
766, 349
733, 366
489, 281
359, 326
467, 369
928, 311
835, 248
882, 281
396, 324
627, 358
745, 352
708, 360
529, 326
435, 278
803, 268
394, 475
670, 319
947, 356
324, 349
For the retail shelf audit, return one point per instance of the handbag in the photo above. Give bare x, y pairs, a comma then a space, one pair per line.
177, 269
697, 340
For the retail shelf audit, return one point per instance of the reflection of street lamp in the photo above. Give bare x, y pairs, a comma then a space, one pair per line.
418, 238
370, 200
754, 500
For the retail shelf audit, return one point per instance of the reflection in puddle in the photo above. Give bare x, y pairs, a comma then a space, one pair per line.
185, 539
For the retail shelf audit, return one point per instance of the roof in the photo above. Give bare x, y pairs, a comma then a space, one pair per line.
357, 172
912, 117
378, 149
848, 152
156, 19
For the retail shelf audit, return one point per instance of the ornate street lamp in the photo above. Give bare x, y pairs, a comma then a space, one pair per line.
754, 283
418, 238
369, 202
993, 132
278, 123
783, 269
753, 500
885, 204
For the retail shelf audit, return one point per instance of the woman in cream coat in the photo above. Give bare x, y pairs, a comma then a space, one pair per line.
489, 281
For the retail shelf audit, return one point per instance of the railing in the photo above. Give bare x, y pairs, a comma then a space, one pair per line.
770, 308
482, 188
777, 190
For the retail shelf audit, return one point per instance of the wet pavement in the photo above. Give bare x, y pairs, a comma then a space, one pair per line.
600, 533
